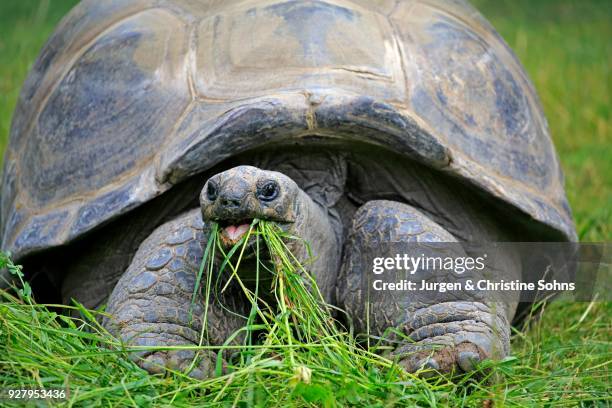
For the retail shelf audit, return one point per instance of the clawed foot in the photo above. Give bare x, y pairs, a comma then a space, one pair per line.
446, 359
199, 367
452, 337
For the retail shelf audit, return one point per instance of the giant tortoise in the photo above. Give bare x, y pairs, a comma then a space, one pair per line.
349, 122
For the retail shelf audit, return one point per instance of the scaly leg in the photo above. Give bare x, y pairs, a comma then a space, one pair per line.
445, 331
152, 301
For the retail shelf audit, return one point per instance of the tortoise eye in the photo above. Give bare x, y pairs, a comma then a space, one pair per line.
212, 191
268, 191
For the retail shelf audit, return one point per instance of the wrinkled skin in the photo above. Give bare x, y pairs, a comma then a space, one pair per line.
150, 303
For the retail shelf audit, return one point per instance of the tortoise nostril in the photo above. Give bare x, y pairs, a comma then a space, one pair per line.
230, 202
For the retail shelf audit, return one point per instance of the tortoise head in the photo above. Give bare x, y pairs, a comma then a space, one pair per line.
236, 196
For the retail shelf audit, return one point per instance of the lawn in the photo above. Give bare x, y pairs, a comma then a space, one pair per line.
562, 358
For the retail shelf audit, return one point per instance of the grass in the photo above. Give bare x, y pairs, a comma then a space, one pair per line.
303, 356
562, 358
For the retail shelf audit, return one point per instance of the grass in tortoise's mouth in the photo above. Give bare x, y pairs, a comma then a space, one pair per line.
298, 317
232, 231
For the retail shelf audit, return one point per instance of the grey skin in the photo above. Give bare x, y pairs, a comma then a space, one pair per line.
150, 303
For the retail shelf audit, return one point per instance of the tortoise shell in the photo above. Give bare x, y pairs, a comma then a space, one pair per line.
127, 99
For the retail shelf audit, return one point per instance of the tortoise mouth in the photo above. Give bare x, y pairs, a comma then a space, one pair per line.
232, 231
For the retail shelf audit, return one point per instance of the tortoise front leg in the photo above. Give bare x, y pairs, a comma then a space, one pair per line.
150, 306
444, 332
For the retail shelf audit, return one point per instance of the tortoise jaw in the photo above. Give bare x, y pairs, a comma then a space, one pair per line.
232, 231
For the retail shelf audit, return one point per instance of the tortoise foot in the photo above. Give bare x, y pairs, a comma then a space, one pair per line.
199, 366
454, 337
